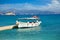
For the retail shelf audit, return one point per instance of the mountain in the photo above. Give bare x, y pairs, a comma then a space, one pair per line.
27, 12
33, 12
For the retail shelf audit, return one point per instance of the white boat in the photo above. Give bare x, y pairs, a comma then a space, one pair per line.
28, 24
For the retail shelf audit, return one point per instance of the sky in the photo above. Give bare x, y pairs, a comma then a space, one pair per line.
34, 2
43, 5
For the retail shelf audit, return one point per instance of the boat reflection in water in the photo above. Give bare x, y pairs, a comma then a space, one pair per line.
29, 29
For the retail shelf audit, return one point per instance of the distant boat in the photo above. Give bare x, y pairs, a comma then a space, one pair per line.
10, 13
28, 24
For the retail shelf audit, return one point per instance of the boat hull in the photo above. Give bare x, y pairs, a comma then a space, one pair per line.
28, 25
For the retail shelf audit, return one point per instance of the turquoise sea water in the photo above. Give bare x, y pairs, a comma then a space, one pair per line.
48, 30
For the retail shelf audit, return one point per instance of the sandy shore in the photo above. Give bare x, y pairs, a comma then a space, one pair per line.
6, 27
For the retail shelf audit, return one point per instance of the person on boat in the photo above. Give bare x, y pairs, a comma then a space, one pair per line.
16, 26
17, 23
35, 17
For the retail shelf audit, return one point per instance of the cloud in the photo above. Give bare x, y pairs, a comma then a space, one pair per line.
54, 6
17, 6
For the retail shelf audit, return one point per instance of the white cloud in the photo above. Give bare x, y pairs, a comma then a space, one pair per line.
53, 6
16, 6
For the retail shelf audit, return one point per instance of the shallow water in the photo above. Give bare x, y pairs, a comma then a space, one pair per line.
48, 30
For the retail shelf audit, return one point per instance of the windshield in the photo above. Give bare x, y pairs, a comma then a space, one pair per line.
29, 20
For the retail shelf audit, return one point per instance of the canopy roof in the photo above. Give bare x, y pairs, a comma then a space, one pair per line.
28, 18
